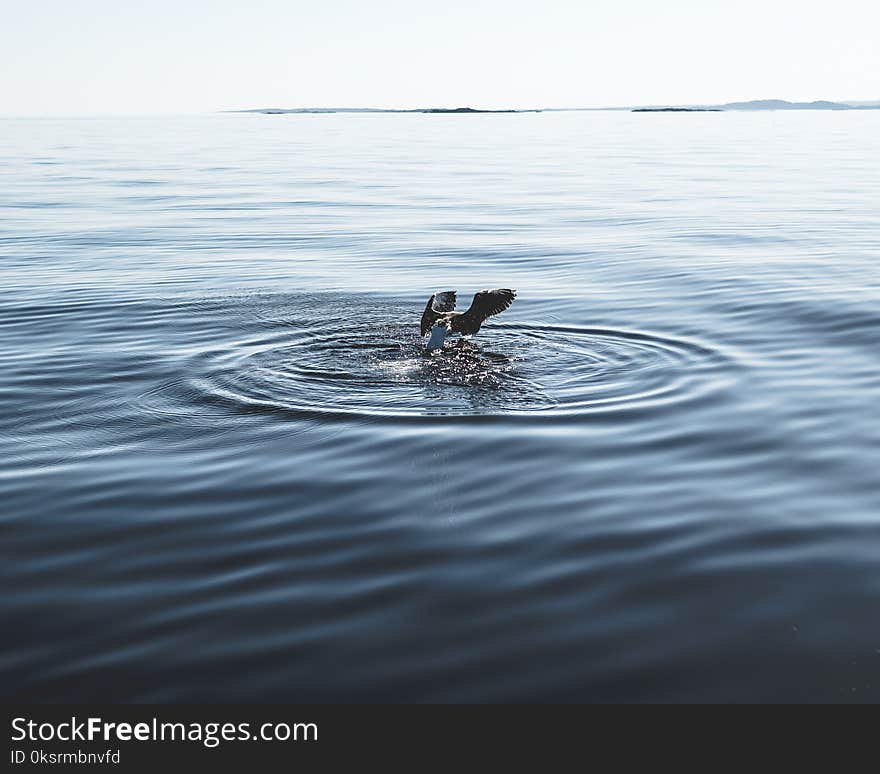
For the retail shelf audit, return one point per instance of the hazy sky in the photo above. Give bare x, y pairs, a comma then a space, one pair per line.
119, 56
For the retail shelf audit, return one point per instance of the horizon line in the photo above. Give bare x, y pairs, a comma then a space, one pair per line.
316, 108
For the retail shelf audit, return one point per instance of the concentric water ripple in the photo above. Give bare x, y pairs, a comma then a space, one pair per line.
357, 365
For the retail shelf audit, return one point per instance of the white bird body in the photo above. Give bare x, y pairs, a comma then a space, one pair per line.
439, 332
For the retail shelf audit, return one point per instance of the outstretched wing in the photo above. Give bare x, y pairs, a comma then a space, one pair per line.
438, 305
485, 304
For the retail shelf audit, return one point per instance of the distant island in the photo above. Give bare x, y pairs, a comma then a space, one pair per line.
677, 110
781, 104
760, 104
471, 110
457, 111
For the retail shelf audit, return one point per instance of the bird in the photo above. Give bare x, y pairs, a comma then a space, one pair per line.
440, 318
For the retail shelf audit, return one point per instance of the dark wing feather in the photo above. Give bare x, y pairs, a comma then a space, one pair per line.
438, 305
485, 304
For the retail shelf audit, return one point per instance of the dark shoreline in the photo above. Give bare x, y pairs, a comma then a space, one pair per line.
676, 110
449, 111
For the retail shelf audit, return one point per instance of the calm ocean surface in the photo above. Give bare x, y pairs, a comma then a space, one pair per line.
228, 473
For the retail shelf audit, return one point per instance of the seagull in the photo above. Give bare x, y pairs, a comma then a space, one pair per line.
441, 319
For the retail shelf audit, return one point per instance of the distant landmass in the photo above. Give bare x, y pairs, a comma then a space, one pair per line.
761, 104
756, 104
472, 110
459, 110
677, 110
781, 104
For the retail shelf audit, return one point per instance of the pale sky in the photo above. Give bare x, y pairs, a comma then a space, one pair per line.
165, 56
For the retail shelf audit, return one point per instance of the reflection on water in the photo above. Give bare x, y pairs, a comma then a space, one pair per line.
232, 472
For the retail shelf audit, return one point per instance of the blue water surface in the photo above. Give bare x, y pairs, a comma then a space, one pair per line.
229, 473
